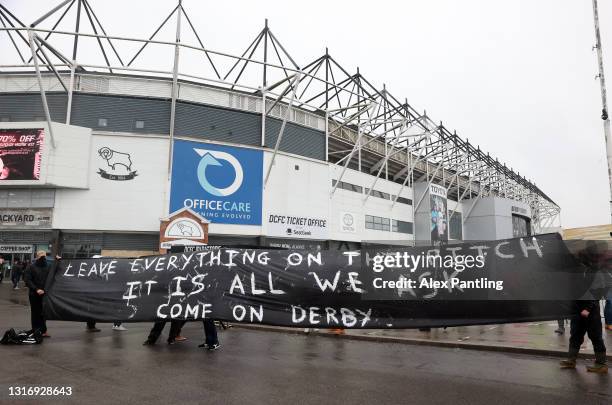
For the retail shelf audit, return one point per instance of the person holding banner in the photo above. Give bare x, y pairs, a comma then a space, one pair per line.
210, 332
35, 278
173, 337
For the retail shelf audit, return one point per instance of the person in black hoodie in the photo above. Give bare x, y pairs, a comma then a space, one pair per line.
35, 278
586, 319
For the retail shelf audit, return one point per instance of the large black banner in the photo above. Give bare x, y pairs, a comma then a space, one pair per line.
522, 279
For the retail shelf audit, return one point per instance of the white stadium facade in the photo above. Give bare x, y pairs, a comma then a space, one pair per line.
101, 138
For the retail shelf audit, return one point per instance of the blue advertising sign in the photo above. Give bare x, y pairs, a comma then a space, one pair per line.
221, 183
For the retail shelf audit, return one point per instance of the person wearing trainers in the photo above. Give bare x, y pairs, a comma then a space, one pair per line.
586, 320
91, 326
210, 332
118, 326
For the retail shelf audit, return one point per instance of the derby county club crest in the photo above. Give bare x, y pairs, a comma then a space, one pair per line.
120, 165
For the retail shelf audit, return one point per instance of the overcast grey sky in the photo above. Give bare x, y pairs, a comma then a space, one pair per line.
516, 77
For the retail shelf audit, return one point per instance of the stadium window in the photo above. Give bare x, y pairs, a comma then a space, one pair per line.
401, 226
102, 122
297, 167
347, 186
455, 227
369, 222
377, 223
140, 124
378, 194
401, 200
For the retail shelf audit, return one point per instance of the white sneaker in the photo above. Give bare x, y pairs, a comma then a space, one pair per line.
120, 327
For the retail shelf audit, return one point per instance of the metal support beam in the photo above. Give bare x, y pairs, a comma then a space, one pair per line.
56, 23
263, 115
295, 83
42, 89
50, 12
355, 147
153, 35
326, 136
70, 90
49, 64
416, 208
399, 193
174, 88
382, 164
12, 40
76, 30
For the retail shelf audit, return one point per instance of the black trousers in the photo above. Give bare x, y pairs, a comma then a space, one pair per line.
158, 327
210, 331
92, 324
15, 276
591, 326
36, 310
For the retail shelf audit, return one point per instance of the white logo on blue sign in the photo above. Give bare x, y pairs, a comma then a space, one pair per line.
211, 158
221, 183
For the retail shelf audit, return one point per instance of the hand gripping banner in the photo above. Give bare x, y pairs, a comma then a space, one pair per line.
521, 279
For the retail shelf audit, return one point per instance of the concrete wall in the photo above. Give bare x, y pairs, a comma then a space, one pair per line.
297, 188
118, 205
491, 217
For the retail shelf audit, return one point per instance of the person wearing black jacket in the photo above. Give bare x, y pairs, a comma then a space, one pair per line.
586, 320
35, 277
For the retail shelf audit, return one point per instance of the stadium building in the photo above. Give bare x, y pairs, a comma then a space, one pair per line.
100, 141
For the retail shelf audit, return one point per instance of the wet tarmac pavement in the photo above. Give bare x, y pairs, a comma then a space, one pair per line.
275, 368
